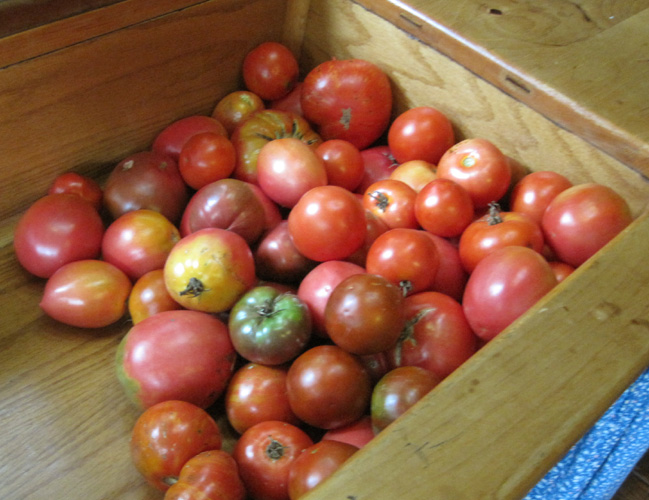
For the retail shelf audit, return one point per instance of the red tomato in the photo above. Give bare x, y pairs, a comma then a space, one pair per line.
327, 223
378, 163
582, 219
348, 99
272, 214
209, 270
210, 475
415, 173
290, 102
55, 230
146, 180
534, 192
479, 167
451, 276
86, 293
504, 285
421, 133
171, 139
374, 227
139, 241
315, 464
496, 230
393, 202
257, 393
235, 108
444, 208
78, 184
288, 168
328, 387
561, 270
206, 157
343, 163
181, 355
364, 314
437, 335
166, 436
149, 296
406, 257
317, 285
270, 70
265, 453
358, 433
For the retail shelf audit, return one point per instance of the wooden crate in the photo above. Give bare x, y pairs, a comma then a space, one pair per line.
561, 90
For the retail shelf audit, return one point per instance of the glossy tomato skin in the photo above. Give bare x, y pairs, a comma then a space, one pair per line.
343, 163
415, 173
172, 138
393, 202
327, 223
378, 163
328, 387
86, 293
81, 185
533, 193
561, 270
257, 393
451, 276
315, 464
206, 157
149, 296
420, 133
270, 70
269, 327
209, 475
168, 434
444, 208
181, 355
139, 241
236, 107
580, 220
147, 179
348, 99
504, 285
55, 230
265, 453
374, 227
209, 270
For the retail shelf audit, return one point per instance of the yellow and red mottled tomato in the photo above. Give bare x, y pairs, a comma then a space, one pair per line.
236, 107
209, 270
149, 296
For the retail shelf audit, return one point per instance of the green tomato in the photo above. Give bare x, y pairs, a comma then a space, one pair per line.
268, 326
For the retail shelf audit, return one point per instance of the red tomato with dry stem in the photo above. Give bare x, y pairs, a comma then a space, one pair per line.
393, 202
444, 208
81, 185
270, 70
235, 108
172, 138
149, 296
343, 163
205, 158
166, 436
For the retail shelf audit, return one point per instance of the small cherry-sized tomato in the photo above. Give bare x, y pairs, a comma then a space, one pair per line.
81, 185
210, 475
139, 241
420, 133
168, 434
149, 296
415, 173
479, 167
236, 107
328, 387
172, 138
393, 202
444, 208
270, 70
86, 293
315, 464
533, 193
55, 230
257, 393
580, 220
265, 453
206, 157
209, 270
343, 162
327, 223
364, 314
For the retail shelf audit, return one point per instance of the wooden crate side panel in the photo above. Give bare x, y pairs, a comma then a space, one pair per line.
88, 105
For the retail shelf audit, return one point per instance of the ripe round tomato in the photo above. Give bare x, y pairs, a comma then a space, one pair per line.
374, 227
328, 387
209, 270
504, 285
172, 138
444, 208
421, 133
86, 293
210, 475
582, 219
146, 180
182, 355
534, 192
405, 257
348, 99
78, 184
327, 223
288, 168
358, 433
166, 436
206, 157
270, 70
236, 107
451, 276
257, 393
139, 241
479, 167
55, 230
149, 296
415, 173
378, 163
265, 453
343, 163
315, 464
393, 202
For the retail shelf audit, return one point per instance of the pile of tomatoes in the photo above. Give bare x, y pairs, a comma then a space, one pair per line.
306, 262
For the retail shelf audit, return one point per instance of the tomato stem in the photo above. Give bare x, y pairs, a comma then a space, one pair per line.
194, 288
494, 214
275, 450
